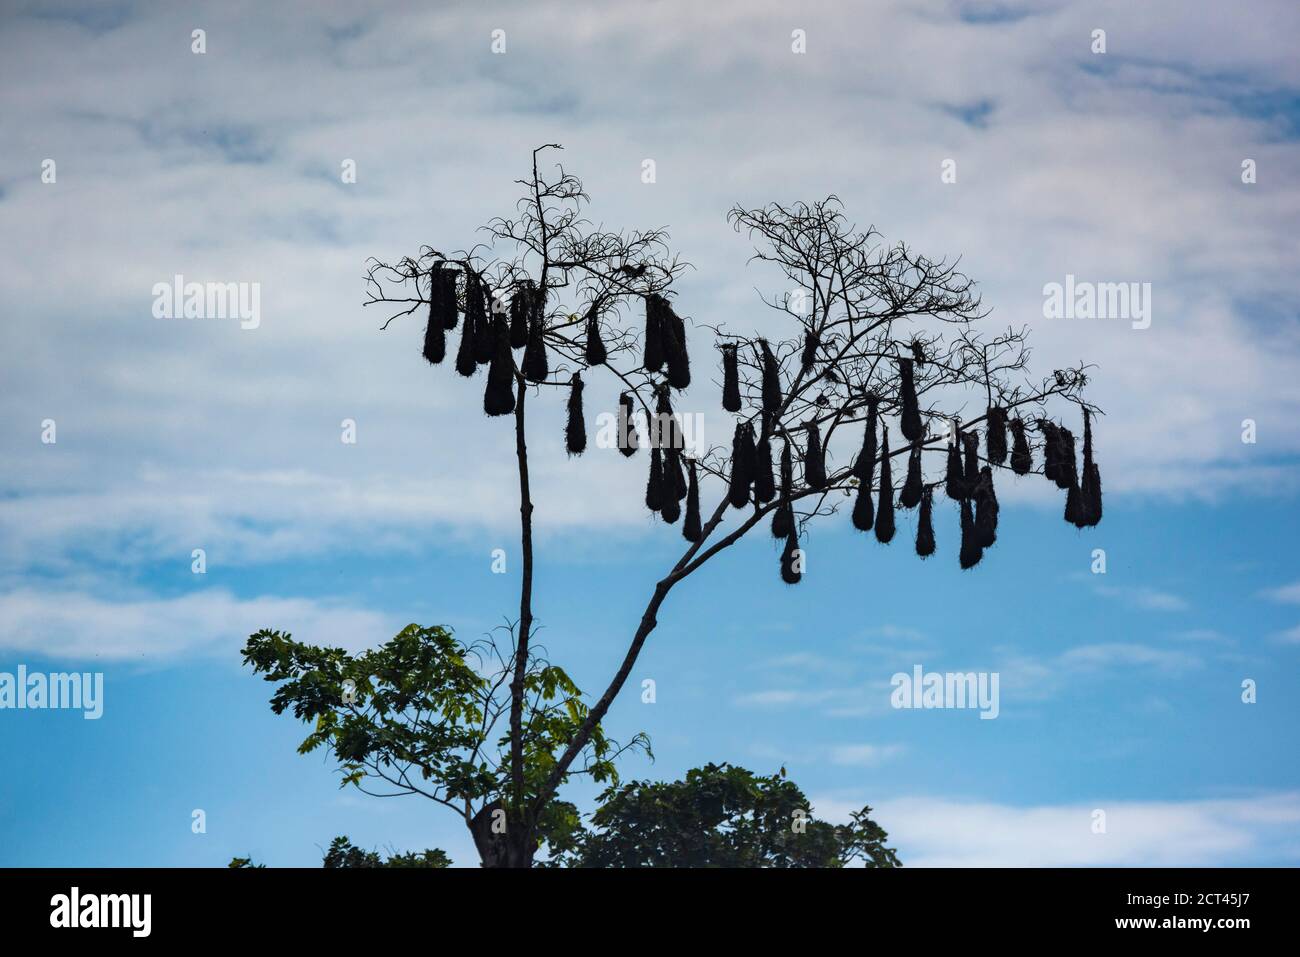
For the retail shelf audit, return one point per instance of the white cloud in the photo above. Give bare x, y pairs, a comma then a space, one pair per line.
1023, 679
1288, 594
894, 631
1204, 634
936, 832
1148, 599
68, 624
1290, 636
780, 698
1113, 654
270, 515
864, 755
801, 661
225, 166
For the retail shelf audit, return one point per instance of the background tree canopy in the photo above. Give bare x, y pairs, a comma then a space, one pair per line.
722, 816
343, 853
419, 715
422, 715
717, 816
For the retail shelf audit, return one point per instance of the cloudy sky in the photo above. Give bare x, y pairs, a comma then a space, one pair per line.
126, 158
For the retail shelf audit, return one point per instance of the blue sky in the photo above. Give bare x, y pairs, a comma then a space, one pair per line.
1119, 692
1115, 695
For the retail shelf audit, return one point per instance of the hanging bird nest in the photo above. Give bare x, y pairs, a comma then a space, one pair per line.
925, 524
535, 365
674, 343
814, 459
811, 343
986, 509
1066, 471
783, 515
595, 353
996, 435
885, 507
864, 468
971, 473
1091, 482
654, 486
466, 364
674, 475
910, 416
627, 437
864, 509
771, 379
954, 478
442, 296
575, 430
1022, 461
498, 394
673, 481
442, 313
1051, 451
477, 318
1074, 507
1093, 495
654, 351
742, 465
435, 335
910, 495
691, 530
667, 431
730, 379
790, 563
521, 311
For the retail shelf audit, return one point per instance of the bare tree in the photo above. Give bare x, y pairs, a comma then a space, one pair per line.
883, 337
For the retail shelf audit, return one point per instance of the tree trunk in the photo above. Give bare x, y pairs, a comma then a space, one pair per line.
525, 610
513, 847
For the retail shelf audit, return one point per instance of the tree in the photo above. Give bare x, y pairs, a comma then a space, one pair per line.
884, 338
717, 816
343, 853
422, 714
722, 816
